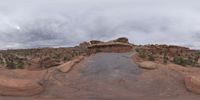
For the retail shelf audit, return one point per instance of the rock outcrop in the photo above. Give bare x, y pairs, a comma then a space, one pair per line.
66, 67
119, 45
84, 45
122, 40
19, 87
95, 42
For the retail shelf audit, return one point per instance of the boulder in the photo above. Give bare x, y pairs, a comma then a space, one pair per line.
148, 65
66, 67
192, 83
19, 87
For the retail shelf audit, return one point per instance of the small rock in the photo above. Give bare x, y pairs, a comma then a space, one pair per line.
148, 65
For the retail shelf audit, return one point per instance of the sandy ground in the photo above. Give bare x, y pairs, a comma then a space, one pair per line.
113, 76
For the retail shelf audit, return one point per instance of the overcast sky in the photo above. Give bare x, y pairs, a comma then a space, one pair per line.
54, 23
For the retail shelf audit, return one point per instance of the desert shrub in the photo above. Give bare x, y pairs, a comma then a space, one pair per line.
1, 61
196, 59
98, 50
56, 56
137, 49
75, 53
151, 57
180, 61
66, 58
11, 65
20, 65
15, 65
142, 54
165, 58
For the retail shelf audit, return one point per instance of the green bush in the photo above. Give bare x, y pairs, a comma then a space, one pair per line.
66, 58
11, 65
151, 57
98, 50
196, 59
137, 49
1, 61
20, 65
180, 61
165, 58
142, 54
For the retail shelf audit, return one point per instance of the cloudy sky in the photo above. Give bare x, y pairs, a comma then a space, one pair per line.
54, 23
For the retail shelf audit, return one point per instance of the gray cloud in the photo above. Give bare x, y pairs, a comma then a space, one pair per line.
40, 23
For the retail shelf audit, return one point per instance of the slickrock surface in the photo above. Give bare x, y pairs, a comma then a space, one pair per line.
193, 83
112, 76
19, 87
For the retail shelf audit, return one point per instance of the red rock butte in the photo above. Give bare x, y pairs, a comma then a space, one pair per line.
119, 45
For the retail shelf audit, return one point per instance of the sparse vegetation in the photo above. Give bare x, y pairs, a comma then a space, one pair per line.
151, 57
98, 50
142, 54
10, 65
174, 54
180, 61
66, 58
18, 59
1, 61
165, 58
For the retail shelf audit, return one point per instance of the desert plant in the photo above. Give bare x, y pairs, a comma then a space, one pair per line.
20, 65
66, 58
151, 57
11, 65
165, 58
142, 54
1, 61
196, 59
180, 61
137, 49
98, 50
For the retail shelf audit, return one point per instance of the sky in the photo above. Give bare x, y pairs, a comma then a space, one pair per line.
58, 23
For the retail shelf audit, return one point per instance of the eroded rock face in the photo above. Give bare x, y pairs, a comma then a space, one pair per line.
122, 40
148, 65
192, 83
84, 45
110, 47
66, 67
19, 87
95, 42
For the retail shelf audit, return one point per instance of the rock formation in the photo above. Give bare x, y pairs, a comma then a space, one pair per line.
118, 45
122, 40
95, 42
